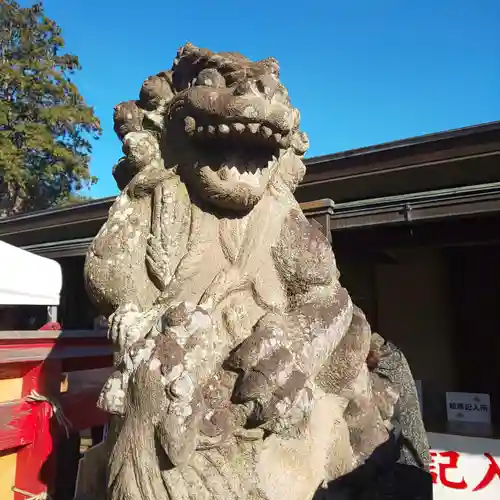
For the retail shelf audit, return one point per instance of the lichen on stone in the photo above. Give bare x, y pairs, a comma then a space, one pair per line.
239, 357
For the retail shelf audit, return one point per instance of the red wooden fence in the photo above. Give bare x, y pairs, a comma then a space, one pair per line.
35, 407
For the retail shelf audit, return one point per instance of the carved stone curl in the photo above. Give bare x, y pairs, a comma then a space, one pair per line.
240, 359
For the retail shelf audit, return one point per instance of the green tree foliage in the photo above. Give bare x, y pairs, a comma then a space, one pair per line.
45, 125
74, 199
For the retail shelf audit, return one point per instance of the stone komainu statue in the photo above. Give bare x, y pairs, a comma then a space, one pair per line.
240, 359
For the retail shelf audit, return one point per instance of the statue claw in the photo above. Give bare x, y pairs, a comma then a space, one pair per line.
272, 377
121, 322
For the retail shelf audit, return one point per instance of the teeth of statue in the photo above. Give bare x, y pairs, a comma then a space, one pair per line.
224, 173
238, 127
211, 130
272, 162
189, 125
277, 137
234, 172
200, 129
223, 129
253, 127
249, 178
265, 132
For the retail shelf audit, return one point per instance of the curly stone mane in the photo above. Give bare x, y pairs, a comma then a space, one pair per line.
161, 99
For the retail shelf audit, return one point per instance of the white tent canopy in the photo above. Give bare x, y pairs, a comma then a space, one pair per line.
28, 279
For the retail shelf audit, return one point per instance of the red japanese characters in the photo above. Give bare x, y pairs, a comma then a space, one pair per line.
444, 462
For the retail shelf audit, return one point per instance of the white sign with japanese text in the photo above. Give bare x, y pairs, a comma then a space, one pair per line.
468, 407
465, 467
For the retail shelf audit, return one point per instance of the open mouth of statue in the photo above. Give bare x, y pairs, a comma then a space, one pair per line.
238, 152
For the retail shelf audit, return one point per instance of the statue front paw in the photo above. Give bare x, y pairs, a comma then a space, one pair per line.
179, 425
273, 378
121, 322
186, 355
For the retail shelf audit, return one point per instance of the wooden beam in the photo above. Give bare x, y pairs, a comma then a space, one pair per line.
16, 429
320, 212
467, 201
449, 232
81, 409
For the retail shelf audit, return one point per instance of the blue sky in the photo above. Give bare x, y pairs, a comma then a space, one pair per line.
362, 72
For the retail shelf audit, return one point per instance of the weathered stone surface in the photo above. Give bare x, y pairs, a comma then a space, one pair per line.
393, 382
240, 359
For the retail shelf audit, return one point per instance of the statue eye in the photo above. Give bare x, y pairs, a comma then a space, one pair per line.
210, 78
